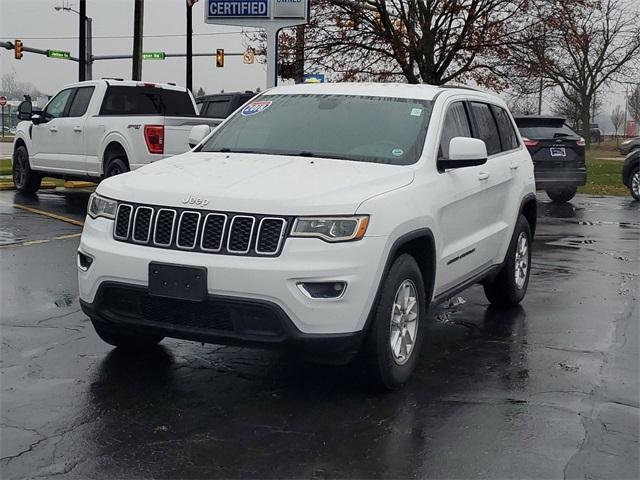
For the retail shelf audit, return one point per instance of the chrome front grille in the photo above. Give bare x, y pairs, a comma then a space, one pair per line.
210, 232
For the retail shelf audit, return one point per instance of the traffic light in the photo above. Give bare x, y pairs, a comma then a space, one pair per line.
17, 45
220, 57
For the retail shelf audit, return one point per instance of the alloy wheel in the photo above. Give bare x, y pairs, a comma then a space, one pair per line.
522, 260
404, 322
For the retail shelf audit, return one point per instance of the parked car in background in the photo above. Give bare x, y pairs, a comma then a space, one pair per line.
558, 155
221, 105
595, 133
629, 145
631, 173
101, 128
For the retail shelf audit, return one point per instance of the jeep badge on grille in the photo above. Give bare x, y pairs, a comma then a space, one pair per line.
191, 200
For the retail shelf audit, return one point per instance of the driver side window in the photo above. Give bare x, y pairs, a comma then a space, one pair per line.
456, 124
56, 107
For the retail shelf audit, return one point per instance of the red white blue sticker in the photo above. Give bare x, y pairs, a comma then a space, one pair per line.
255, 107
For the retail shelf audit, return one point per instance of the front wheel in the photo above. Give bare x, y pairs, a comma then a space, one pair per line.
562, 195
24, 179
394, 341
509, 287
634, 183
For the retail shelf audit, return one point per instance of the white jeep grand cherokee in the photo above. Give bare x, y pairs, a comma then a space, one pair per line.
323, 218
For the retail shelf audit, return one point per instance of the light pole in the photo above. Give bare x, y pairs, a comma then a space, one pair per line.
85, 61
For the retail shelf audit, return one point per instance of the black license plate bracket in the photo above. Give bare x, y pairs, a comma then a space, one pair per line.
178, 281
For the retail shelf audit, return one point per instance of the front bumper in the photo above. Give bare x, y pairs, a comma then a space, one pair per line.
271, 280
558, 177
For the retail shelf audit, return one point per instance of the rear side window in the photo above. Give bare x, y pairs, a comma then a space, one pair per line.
486, 128
146, 101
456, 124
81, 101
217, 109
508, 137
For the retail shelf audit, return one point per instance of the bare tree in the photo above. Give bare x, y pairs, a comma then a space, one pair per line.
634, 103
617, 118
418, 41
522, 105
200, 92
586, 47
569, 108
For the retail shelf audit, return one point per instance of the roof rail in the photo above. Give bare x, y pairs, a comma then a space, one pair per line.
461, 87
113, 78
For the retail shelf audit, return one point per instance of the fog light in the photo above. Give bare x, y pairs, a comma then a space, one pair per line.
84, 261
323, 290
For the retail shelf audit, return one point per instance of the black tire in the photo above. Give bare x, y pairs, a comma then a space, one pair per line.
24, 179
377, 356
634, 177
123, 339
116, 166
503, 290
563, 194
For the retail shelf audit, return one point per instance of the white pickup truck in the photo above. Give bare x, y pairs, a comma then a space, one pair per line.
101, 128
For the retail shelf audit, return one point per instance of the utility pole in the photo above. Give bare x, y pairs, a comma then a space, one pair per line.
299, 65
189, 4
138, 19
82, 40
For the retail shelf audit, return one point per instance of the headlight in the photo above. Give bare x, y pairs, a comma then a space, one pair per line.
331, 229
101, 207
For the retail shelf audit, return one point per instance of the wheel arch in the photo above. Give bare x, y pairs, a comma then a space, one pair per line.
421, 245
529, 208
114, 149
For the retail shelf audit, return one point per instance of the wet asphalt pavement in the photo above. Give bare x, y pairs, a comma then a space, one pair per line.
546, 390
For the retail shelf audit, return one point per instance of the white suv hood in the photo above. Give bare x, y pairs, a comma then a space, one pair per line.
276, 185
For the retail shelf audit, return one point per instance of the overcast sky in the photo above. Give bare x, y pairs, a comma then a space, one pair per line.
38, 25
30, 20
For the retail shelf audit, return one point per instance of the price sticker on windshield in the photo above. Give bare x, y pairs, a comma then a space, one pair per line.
255, 107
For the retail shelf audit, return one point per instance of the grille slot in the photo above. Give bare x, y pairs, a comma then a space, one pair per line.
270, 234
223, 233
142, 224
213, 231
188, 230
165, 223
240, 234
123, 222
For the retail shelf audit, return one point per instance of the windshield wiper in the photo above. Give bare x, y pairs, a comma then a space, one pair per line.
229, 150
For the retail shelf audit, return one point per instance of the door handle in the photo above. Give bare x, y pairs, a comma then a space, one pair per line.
514, 165
53, 129
483, 176
77, 129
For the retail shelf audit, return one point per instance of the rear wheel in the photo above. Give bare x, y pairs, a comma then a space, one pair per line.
24, 179
634, 183
123, 339
563, 194
393, 345
510, 285
116, 166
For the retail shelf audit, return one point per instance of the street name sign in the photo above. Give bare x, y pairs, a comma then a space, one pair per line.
58, 54
153, 55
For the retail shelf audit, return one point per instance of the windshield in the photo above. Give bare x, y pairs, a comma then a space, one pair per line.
349, 127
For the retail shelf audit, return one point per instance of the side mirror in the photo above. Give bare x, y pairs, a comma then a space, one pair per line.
197, 134
37, 119
464, 152
25, 110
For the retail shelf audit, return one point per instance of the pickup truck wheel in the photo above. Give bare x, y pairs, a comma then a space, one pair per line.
634, 183
116, 166
393, 345
124, 340
24, 179
562, 195
510, 285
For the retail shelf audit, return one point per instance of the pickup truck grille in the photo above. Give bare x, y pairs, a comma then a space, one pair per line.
201, 231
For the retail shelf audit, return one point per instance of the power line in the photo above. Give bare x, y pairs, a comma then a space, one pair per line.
123, 36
